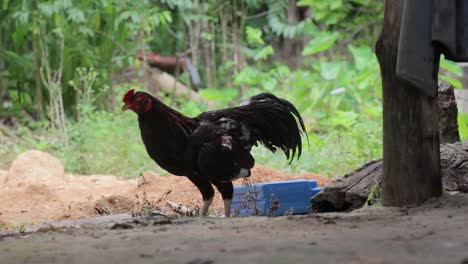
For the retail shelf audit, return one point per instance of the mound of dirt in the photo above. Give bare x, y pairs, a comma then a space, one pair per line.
3, 175
35, 167
36, 189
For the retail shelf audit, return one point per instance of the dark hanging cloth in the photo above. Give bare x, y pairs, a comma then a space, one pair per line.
430, 28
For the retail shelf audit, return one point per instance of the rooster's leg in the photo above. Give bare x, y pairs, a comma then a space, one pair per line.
226, 189
206, 206
227, 207
206, 190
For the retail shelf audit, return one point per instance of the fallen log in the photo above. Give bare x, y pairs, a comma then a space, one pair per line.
352, 190
159, 81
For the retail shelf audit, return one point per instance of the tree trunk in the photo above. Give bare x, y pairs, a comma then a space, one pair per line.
194, 32
37, 65
224, 18
111, 103
411, 156
213, 54
206, 49
2, 84
237, 37
291, 48
353, 189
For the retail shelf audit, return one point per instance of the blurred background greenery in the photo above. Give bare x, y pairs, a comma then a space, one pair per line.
60, 63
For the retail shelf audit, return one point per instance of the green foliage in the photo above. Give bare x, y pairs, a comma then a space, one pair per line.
106, 143
463, 125
375, 196
450, 72
329, 12
350, 18
256, 50
95, 34
277, 21
320, 42
333, 153
254, 35
336, 88
340, 101
226, 94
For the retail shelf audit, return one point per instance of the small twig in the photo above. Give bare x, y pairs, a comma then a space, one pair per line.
164, 195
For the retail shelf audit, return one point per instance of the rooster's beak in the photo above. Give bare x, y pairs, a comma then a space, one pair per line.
125, 107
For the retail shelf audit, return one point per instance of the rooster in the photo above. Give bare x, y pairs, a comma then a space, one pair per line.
214, 147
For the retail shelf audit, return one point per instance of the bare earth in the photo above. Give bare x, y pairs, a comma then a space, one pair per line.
436, 232
36, 189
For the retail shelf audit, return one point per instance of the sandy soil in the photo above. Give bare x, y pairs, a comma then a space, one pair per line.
436, 232
36, 189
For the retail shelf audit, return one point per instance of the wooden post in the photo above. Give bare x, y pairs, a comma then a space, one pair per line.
411, 158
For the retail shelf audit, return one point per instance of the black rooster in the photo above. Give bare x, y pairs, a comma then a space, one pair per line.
214, 147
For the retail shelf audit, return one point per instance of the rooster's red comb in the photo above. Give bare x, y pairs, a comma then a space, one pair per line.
128, 96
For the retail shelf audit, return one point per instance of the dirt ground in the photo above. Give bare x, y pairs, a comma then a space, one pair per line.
436, 232
36, 188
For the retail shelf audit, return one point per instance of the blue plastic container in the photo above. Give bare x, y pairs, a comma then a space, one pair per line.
274, 198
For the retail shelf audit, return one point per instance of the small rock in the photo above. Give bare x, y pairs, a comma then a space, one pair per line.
138, 222
160, 230
143, 255
162, 222
46, 229
121, 226
201, 261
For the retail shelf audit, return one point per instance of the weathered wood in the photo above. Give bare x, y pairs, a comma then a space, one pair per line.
159, 81
351, 191
454, 161
411, 158
448, 112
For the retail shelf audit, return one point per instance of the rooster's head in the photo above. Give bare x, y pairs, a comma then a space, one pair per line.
138, 102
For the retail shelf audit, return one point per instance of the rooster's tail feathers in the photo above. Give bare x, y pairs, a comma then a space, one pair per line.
277, 124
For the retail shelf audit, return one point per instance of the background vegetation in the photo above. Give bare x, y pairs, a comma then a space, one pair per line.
60, 59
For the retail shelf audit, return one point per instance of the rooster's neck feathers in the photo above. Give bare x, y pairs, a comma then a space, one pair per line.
163, 119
